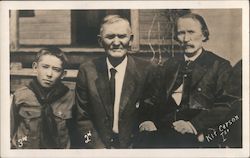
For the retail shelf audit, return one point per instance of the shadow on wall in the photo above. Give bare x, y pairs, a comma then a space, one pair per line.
225, 32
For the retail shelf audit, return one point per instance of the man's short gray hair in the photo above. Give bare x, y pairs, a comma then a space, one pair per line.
110, 19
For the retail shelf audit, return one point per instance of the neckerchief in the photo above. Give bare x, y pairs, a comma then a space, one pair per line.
47, 96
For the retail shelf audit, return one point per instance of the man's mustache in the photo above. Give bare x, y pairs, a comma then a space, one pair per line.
185, 45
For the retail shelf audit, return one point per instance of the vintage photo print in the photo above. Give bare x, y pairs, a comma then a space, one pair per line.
124, 78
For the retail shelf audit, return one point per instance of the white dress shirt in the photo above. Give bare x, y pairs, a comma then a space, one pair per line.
177, 94
119, 78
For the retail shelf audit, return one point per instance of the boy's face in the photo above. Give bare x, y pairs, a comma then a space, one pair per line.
49, 70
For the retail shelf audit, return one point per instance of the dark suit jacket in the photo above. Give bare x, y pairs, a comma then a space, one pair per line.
234, 83
234, 87
206, 99
94, 110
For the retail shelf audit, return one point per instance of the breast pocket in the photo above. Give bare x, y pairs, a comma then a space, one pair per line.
28, 131
29, 113
61, 118
200, 101
31, 118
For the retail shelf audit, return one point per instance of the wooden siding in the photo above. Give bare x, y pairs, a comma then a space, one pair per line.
155, 28
46, 28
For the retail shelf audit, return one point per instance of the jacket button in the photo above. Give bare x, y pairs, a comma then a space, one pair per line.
59, 113
185, 75
106, 120
199, 89
111, 140
137, 105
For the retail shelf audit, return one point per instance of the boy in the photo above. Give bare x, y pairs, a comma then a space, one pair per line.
41, 110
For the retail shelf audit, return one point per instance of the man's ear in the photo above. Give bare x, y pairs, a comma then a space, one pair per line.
63, 74
99, 38
131, 39
203, 37
34, 65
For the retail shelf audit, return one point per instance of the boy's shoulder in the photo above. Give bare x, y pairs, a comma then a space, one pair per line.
71, 89
23, 93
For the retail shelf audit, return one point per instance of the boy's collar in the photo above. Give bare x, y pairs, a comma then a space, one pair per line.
48, 95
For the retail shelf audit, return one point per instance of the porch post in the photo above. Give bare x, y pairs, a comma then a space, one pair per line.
14, 30
135, 29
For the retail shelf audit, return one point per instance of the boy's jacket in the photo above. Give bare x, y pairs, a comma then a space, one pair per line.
27, 122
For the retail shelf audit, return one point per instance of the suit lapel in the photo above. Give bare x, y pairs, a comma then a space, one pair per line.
199, 68
129, 83
171, 73
102, 85
197, 73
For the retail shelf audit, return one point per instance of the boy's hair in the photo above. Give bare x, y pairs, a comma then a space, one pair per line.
110, 19
54, 51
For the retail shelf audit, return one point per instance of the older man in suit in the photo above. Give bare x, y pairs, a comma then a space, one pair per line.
108, 89
190, 99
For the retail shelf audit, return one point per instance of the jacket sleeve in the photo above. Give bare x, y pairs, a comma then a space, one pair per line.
147, 109
13, 122
222, 102
88, 134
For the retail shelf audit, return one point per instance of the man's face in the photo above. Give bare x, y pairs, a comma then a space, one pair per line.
49, 70
116, 39
190, 35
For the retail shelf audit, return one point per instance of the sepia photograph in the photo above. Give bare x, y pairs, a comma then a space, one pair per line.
125, 79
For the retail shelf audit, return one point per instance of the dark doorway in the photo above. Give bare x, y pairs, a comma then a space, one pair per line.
86, 25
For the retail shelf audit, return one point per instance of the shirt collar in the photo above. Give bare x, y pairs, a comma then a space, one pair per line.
119, 67
193, 57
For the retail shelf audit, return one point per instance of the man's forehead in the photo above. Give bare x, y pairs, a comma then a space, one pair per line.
189, 20
117, 21
121, 25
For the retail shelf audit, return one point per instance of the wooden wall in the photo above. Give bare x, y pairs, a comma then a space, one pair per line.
225, 26
154, 27
46, 28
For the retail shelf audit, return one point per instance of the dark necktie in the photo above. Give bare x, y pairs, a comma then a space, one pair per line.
182, 71
187, 78
112, 85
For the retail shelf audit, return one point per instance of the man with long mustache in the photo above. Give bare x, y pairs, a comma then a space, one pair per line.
190, 92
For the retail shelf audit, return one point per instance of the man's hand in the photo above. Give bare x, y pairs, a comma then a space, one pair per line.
147, 126
184, 127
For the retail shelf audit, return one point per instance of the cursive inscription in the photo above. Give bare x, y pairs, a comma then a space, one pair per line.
222, 130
